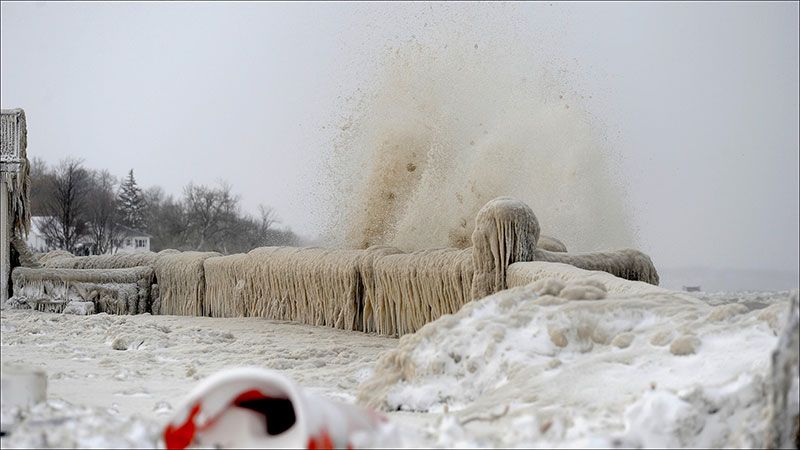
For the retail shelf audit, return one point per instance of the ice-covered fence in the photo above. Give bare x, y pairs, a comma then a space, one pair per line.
507, 232
380, 289
627, 264
181, 282
44, 258
117, 261
413, 289
373, 315
14, 183
119, 291
316, 286
226, 277
179, 276
287, 283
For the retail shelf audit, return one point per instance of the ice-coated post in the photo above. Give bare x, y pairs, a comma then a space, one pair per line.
5, 252
13, 187
506, 231
12, 155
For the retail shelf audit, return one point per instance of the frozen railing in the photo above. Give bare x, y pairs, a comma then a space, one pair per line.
11, 133
13, 187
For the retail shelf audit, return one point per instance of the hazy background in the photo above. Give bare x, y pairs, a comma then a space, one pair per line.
700, 102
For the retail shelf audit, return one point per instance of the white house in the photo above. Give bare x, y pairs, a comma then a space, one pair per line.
132, 241
129, 240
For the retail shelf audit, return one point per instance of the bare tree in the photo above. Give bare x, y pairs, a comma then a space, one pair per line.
266, 219
41, 186
103, 217
165, 220
81, 205
211, 214
66, 208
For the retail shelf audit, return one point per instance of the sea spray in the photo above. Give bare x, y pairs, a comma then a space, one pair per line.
455, 116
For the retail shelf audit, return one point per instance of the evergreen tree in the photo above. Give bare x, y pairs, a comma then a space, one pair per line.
131, 204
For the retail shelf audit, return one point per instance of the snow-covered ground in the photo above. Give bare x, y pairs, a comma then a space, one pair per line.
113, 381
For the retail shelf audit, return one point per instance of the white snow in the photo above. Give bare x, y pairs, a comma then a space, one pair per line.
114, 380
649, 370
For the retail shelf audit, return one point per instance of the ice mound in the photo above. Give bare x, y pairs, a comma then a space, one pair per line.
577, 364
73, 426
79, 308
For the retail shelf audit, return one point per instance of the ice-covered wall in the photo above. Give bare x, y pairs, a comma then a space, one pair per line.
380, 289
181, 282
117, 291
413, 289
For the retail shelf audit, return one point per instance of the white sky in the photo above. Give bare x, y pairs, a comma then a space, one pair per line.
701, 99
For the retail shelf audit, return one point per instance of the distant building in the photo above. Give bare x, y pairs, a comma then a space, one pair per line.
128, 240
691, 288
132, 241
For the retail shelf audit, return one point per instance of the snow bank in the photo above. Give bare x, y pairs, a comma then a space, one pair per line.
114, 380
651, 368
79, 308
57, 423
523, 273
784, 386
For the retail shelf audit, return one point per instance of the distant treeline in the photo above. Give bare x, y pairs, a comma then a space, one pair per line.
89, 211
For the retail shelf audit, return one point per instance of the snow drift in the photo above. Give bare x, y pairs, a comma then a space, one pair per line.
566, 359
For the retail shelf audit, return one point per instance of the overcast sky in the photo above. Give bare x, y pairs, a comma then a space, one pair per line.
701, 99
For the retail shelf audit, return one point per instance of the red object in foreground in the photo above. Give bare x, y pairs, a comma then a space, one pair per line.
257, 408
323, 442
178, 438
182, 436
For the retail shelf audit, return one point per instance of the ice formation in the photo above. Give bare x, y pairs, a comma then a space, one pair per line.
380, 289
414, 288
45, 258
181, 282
506, 231
18, 182
575, 362
25, 257
373, 318
670, 397
120, 291
783, 429
551, 244
225, 285
628, 264
523, 273
64, 260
